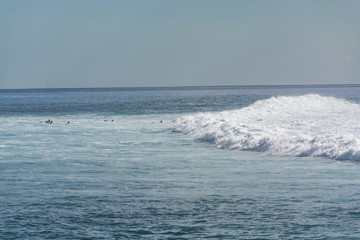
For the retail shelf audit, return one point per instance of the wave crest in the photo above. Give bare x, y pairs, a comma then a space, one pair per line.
308, 125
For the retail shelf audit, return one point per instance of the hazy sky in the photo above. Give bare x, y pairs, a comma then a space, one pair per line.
105, 43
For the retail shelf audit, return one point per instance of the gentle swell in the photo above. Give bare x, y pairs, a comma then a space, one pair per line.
309, 125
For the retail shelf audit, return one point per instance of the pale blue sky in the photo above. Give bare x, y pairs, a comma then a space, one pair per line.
135, 43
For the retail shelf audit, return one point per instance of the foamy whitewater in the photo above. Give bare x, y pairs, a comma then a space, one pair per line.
307, 125
237, 162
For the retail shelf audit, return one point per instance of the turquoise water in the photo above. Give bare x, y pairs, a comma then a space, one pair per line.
180, 163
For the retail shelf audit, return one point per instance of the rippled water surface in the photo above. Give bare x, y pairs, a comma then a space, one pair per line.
180, 163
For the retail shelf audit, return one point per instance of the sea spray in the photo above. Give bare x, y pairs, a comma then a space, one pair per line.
307, 125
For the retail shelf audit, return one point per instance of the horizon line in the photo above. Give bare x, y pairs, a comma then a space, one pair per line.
195, 86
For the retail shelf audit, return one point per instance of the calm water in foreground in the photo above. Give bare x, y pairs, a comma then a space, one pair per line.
181, 163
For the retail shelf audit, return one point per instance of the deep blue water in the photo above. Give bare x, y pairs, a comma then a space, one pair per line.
151, 100
238, 162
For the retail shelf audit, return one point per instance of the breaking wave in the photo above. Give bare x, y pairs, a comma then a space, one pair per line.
308, 125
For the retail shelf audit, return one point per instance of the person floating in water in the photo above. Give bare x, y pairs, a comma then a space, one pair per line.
49, 121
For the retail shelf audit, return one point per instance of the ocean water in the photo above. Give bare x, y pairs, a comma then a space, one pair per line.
250, 162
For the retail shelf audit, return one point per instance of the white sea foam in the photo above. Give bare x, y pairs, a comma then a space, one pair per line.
308, 125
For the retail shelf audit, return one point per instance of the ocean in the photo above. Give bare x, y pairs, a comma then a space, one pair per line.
223, 162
